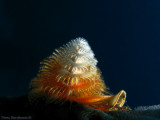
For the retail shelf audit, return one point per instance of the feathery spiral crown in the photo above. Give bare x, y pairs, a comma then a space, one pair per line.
70, 72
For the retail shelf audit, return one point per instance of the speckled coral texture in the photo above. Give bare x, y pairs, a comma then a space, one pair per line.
20, 107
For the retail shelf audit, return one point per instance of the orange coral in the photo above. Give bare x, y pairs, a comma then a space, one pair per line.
71, 74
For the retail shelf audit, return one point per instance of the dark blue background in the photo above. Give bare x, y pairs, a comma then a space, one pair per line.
124, 35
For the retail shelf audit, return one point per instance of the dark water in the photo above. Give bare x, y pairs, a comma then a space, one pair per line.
124, 35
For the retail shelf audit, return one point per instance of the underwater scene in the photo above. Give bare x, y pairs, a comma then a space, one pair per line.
81, 60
